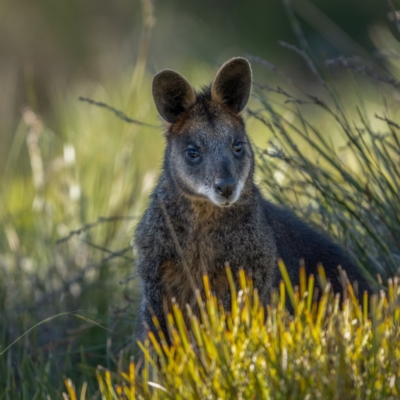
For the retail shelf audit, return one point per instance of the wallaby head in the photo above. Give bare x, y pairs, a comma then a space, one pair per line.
208, 154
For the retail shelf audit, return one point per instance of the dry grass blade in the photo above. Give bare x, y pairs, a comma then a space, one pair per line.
120, 114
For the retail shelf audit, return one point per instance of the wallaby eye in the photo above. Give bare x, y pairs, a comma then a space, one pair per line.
192, 153
237, 148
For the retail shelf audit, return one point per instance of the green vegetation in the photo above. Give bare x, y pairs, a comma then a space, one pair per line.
344, 177
330, 349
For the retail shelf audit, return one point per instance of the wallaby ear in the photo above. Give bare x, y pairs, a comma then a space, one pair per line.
172, 94
232, 84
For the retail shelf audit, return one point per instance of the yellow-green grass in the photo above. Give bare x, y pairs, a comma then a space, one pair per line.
333, 348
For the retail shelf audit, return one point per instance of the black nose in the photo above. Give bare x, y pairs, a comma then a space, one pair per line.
224, 187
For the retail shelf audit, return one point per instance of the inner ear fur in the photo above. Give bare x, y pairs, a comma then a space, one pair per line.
232, 84
172, 94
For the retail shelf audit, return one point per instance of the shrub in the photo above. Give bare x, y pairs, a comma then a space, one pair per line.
333, 348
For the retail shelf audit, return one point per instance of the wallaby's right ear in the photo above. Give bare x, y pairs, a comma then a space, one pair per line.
172, 94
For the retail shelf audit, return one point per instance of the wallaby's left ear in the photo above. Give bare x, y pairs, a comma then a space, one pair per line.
232, 84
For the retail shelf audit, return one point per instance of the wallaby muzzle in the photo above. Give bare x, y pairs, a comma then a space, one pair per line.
225, 187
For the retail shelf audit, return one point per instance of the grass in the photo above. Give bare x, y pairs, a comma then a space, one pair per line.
347, 179
334, 348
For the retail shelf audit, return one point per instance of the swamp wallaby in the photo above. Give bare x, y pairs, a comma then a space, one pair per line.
206, 210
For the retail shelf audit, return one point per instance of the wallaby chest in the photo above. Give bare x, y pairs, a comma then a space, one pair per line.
206, 244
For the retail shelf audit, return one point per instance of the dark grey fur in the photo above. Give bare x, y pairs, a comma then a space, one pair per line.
206, 211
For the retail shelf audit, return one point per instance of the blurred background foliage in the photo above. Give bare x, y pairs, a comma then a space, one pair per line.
74, 178
47, 46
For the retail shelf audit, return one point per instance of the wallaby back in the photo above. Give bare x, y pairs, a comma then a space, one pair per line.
206, 210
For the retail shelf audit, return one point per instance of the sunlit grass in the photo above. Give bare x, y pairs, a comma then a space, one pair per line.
333, 348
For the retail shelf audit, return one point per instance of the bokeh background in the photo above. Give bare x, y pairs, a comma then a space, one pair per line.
74, 178
48, 47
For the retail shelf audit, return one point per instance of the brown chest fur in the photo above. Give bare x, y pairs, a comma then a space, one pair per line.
180, 279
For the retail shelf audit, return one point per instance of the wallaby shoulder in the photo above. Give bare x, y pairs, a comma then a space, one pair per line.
296, 239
